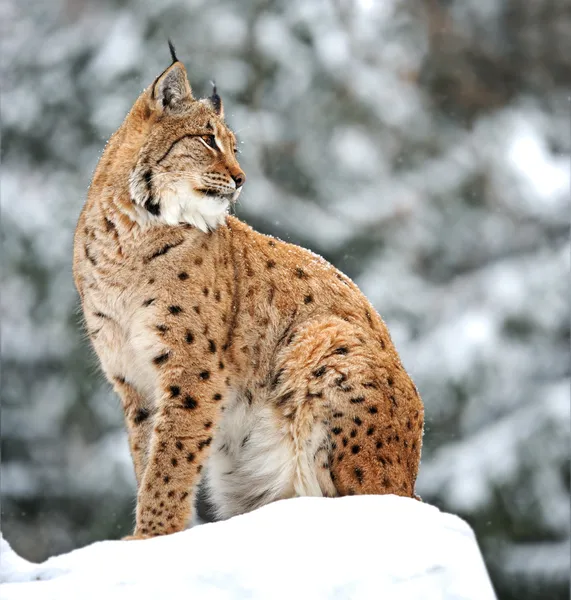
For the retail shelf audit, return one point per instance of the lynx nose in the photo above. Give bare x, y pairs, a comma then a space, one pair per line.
239, 179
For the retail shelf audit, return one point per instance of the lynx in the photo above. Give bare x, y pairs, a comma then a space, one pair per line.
241, 361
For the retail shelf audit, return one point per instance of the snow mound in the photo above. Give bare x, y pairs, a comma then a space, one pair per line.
362, 547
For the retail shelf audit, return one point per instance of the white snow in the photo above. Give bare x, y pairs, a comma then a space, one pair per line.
344, 548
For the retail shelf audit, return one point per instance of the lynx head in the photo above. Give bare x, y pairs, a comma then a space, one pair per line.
186, 169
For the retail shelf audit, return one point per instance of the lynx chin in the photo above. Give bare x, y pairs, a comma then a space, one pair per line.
242, 362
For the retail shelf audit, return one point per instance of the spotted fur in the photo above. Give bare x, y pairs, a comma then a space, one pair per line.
238, 357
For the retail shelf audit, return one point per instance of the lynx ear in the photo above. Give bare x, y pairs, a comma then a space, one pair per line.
215, 102
171, 88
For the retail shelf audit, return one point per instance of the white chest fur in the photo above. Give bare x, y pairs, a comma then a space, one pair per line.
123, 338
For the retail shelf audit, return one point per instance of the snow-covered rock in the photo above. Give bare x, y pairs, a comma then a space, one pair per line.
363, 547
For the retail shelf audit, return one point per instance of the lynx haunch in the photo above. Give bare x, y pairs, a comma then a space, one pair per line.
240, 360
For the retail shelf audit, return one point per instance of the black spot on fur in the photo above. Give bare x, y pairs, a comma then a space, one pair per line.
204, 443
190, 402
189, 337
212, 346
357, 421
390, 381
166, 478
373, 410
320, 371
308, 299
337, 430
353, 433
175, 309
359, 474
217, 397
271, 264
342, 350
204, 375
190, 457
276, 379
355, 448
205, 291
179, 445
161, 358
174, 462
162, 328
249, 396
148, 302
357, 400
284, 398
345, 442
174, 390
300, 272
161, 251
371, 430
141, 415
379, 445
153, 207
183, 275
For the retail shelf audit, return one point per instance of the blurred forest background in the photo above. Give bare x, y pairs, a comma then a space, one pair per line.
422, 147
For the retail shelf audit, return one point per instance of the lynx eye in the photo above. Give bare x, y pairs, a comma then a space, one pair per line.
210, 140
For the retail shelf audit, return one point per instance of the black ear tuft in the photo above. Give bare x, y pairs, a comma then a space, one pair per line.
215, 100
173, 52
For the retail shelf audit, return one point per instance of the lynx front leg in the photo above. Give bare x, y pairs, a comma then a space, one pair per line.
139, 425
183, 428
